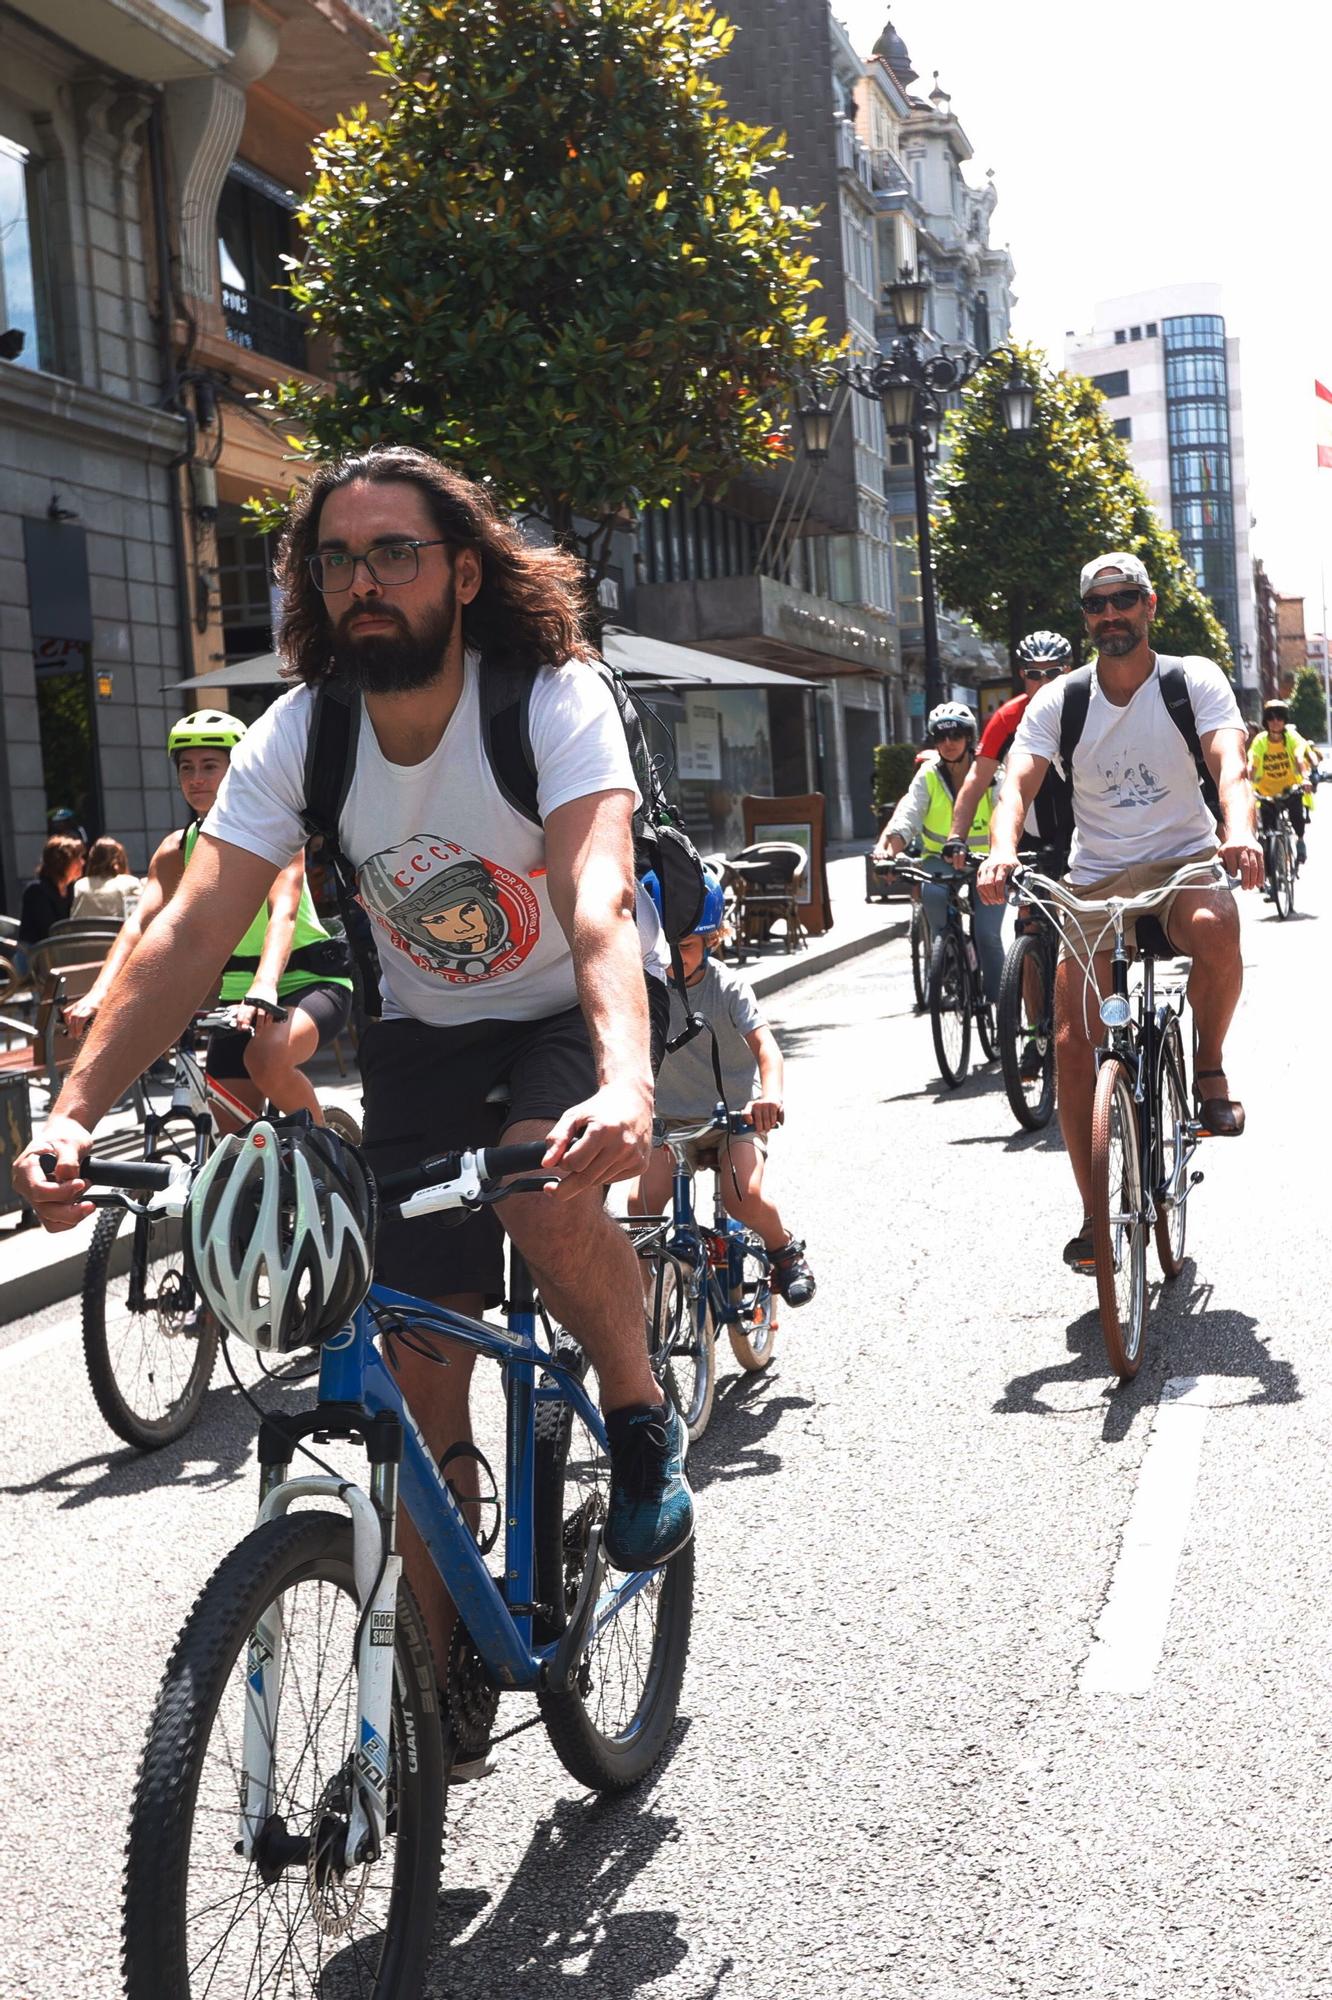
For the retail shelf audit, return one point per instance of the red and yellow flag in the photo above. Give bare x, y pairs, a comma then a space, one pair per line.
1323, 422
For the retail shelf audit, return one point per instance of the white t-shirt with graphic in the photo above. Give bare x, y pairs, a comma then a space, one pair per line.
452, 877
1135, 784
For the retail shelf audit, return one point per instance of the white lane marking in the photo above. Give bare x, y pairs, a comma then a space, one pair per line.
1132, 1627
33, 1344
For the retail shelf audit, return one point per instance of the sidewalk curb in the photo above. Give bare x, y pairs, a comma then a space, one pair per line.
48, 1284
806, 965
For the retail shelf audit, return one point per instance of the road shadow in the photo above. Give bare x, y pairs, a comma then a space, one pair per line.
1048, 1140
1185, 1336
557, 1928
982, 1079
217, 1449
747, 1411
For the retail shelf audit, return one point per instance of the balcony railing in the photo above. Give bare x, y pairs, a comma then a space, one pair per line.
263, 327
852, 157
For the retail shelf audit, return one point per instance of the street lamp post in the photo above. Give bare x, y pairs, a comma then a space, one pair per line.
911, 382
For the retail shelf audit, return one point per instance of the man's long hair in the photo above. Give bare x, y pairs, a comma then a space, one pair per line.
528, 611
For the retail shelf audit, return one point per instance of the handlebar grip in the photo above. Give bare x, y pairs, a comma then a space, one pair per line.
139, 1174
496, 1161
406, 1180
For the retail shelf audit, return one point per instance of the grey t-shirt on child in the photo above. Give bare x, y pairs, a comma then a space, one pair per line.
687, 1087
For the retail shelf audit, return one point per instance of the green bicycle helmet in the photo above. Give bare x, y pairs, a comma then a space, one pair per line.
206, 729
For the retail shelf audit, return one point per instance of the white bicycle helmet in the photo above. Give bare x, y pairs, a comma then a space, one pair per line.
947, 716
279, 1233
1044, 649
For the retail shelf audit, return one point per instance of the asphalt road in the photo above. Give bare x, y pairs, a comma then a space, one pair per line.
935, 1543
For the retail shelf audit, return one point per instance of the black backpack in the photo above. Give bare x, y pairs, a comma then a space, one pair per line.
1174, 693
660, 842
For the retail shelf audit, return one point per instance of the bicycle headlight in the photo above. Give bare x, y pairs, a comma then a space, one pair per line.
1115, 1011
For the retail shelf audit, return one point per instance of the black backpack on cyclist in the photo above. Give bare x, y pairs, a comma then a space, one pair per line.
1179, 707
660, 842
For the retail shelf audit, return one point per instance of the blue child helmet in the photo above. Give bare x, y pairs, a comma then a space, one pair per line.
713, 912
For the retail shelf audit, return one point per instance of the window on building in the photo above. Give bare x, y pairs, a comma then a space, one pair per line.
245, 584
1123, 427
1152, 329
980, 324
1115, 384
22, 290
255, 231
906, 572
1135, 333
1120, 337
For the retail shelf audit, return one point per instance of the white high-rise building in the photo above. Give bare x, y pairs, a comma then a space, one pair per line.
1170, 374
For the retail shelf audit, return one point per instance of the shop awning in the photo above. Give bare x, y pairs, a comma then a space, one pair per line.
644, 662
656, 663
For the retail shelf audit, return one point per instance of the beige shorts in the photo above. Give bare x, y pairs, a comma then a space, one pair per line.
1095, 932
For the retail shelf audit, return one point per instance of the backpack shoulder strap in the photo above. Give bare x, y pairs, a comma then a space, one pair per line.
330, 760
1179, 707
506, 735
1073, 715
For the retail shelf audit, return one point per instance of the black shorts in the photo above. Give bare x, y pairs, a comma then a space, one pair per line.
425, 1091
328, 1006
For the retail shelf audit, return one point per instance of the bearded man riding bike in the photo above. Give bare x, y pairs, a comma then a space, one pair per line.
1139, 815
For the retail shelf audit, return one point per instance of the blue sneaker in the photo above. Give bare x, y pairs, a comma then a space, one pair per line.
651, 1512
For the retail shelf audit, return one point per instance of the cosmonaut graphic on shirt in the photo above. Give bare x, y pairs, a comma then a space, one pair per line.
454, 913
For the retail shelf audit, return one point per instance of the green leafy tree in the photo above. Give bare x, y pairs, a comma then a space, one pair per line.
1308, 708
1017, 515
554, 260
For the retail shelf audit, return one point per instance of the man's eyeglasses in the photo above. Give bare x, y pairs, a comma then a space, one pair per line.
1041, 673
1122, 600
390, 563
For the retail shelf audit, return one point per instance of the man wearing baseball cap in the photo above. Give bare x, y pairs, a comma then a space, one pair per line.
1140, 815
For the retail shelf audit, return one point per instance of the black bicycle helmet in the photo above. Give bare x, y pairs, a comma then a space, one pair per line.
1044, 649
279, 1233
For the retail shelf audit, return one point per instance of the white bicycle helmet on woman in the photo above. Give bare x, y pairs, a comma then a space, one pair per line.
949, 717
279, 1233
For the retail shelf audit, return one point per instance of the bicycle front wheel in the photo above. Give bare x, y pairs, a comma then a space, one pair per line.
1172, 1120
1283, 884
1026, 1032
341, 1121
1119, 1221
199, 1918
684, 1349
921, 945
149, 1342
611, 1726
950, 1008
754, 1334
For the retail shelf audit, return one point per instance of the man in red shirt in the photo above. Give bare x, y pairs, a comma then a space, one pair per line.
1041, 657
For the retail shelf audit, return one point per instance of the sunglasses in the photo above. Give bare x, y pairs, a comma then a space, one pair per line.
1121, 600
1041, 673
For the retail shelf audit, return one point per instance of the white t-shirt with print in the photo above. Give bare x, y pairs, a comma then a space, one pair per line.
452, 877
1135, 785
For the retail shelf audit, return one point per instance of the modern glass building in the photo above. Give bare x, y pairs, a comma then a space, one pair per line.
1202, 507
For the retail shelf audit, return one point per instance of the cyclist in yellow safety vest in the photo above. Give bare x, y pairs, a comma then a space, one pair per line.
925, 813
1279, 759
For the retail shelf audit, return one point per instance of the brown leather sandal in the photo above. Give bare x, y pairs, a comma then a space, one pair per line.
1220, 1117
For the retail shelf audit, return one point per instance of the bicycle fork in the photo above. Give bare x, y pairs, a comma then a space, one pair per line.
377, 1568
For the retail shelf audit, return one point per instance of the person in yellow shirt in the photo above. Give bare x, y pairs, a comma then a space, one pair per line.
1279, 760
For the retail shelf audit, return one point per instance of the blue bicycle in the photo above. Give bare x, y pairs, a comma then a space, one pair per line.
286, 1829
704, 1278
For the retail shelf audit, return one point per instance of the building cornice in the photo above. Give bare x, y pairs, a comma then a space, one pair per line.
37, 401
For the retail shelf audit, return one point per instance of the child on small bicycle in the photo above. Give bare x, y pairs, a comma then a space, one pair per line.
752, 1073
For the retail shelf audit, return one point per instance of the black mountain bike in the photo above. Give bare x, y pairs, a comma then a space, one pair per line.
1281, 853
955, 993
1025, 1017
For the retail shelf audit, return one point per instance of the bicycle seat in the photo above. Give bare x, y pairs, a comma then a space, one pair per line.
1151, 941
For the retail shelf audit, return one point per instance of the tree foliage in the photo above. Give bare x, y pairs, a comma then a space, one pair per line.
1017, 515
555, 261
1308, 709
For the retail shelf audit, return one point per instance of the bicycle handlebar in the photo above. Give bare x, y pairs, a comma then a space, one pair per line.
666, 1132
1030, 882
139, 1175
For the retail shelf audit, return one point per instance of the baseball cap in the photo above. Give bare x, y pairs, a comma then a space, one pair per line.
1114, 568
